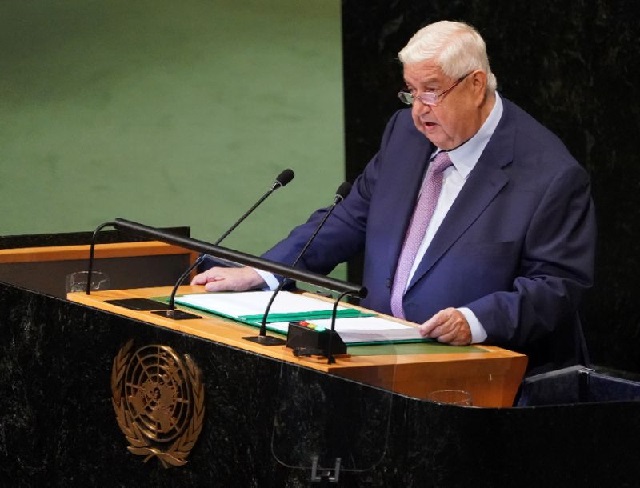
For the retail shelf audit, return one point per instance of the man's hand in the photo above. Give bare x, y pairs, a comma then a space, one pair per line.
229, 279
448, 325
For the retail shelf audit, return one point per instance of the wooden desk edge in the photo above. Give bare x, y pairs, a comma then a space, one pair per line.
102, 251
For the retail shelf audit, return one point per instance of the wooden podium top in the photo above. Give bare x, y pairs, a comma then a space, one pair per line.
491, 374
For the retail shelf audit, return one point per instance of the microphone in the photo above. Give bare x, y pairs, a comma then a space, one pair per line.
262, 338
281, 180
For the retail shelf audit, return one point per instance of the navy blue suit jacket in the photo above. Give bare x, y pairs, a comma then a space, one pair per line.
516, 247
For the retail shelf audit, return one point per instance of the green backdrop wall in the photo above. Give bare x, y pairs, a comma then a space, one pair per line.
168, 113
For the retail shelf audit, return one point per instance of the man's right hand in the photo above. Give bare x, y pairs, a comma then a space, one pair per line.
229, 279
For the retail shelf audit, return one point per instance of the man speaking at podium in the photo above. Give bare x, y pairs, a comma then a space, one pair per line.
474, 219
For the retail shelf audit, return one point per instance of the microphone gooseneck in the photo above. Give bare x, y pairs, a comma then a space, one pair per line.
92, 254
341, 193
281, 180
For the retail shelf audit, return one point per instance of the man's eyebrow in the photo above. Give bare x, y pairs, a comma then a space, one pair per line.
428, 81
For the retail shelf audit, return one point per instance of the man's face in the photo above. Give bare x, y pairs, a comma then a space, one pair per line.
456, 117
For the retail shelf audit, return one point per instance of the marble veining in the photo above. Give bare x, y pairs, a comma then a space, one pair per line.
265, 420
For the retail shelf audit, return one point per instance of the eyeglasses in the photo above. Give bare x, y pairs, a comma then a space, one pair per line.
429, 97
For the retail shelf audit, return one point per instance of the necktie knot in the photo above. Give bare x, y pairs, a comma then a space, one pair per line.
440, 162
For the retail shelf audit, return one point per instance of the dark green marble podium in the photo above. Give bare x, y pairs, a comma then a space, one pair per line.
267, 421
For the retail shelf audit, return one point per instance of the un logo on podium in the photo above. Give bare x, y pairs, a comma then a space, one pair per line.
158, 398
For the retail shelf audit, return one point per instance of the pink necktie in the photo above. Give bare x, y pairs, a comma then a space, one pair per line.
422, 214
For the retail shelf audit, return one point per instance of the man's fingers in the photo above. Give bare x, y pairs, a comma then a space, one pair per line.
229, 279
447, 326
199, 279
430, 327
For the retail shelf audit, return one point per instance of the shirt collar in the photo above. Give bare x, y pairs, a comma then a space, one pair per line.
465, 157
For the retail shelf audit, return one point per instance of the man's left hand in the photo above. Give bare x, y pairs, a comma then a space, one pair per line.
448, 325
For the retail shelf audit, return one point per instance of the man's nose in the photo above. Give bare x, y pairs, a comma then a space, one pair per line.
419, 107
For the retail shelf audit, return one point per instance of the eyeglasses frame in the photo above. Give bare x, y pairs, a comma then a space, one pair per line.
408, 98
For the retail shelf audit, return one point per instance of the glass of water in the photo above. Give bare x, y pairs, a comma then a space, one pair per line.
77, 281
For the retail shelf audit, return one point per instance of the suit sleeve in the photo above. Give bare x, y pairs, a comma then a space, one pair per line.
556, 267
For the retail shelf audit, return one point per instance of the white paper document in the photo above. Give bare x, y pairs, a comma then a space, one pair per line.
363, 330
353, 325
237, 304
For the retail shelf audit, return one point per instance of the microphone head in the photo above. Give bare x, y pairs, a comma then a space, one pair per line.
342, 191
283, 178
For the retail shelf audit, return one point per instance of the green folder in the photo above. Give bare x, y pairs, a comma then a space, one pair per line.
311, 315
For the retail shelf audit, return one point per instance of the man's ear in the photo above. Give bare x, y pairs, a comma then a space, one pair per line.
479, 86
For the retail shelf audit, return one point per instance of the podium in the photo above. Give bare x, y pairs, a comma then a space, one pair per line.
491, 374
266, 418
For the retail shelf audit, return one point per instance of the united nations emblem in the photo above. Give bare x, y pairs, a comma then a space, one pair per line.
158, 398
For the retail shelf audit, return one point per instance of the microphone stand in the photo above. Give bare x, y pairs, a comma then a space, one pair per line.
262, 337
169, 310
285, 177
334, 313
92, 254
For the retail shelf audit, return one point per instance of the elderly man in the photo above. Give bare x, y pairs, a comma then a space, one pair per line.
475, 221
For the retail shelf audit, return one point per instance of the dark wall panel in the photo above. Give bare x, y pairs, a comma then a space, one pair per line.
572, 65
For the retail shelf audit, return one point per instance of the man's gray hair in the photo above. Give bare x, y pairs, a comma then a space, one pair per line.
454, 46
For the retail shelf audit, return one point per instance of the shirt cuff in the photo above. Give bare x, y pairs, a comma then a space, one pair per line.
269, 278
478, 334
